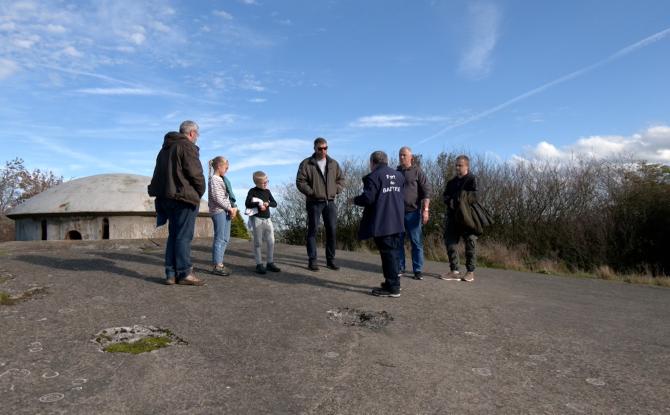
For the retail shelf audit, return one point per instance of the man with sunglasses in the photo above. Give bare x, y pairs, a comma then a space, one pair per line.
320, 179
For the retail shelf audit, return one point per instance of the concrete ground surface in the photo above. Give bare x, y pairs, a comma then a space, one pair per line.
508, 343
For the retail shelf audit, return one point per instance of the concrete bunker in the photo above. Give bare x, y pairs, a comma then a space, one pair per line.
105, 206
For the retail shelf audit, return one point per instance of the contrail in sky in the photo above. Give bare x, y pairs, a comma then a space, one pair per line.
619, 54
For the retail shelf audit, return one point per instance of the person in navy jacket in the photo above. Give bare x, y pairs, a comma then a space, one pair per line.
383, 216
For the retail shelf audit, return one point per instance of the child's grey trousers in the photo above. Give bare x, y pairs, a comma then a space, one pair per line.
263, 231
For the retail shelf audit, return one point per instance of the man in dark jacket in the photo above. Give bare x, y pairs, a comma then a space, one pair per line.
417, 201
178, 184
382, 220
460, 186
320, 179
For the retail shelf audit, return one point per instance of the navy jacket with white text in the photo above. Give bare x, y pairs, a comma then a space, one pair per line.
384, 203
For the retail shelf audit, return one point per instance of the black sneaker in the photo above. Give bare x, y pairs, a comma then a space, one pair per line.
385, 287
312, 266
418, 275
272, 267
383, 292
260, 269
331, 265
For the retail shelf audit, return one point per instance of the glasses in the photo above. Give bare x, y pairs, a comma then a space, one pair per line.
322, 148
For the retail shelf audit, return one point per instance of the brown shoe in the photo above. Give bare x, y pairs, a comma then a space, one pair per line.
469, 276
191, 279
170, 281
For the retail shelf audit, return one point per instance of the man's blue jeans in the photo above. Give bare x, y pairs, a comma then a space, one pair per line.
181, 226
413, 229
222, 223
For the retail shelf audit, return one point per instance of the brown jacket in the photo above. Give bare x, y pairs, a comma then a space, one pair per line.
312, 184
178, 172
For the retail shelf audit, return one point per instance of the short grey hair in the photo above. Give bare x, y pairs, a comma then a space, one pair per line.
188, 126
405, 148
464, 158
379, 157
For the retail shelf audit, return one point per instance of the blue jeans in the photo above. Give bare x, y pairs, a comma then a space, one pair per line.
314, 212
413, 229
388, 250
222, 223
181, 226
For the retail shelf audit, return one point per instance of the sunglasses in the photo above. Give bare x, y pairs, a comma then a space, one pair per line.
322, 148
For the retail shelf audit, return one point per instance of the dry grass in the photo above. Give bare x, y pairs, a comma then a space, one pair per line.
498, 255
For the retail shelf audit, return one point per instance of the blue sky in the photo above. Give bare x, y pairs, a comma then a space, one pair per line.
92, 87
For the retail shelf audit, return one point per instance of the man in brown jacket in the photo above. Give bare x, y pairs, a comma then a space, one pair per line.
320, 179
178, 184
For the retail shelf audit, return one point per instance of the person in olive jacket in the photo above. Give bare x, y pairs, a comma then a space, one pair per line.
178, 184
383, 218
320, 179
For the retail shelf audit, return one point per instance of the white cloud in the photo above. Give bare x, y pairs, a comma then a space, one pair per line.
118, 91
258, 100
484, 23
224, 14
394, 121
55, 28
279, 152
7, 68
248, 2
251, 83
72, 51
7, 26
26, 42
652, 144
138, 37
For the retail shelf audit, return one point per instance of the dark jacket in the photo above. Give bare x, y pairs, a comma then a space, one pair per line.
453, 188
178, 172
314, 185
383, 200
263, 194
417, 187
460, 196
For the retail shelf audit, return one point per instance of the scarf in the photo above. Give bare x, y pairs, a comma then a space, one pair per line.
229, 189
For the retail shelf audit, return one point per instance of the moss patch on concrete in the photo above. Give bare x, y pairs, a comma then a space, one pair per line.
8, 299
140, 346
135, 339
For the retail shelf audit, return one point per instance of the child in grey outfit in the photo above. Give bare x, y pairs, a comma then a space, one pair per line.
258, 203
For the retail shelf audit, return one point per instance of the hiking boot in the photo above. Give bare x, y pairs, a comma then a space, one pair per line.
260, 269
312, 266
331, 265
170, 280
191, 279
383, 292
418, 275
453, 275
221, 270
469, 276
272, 267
